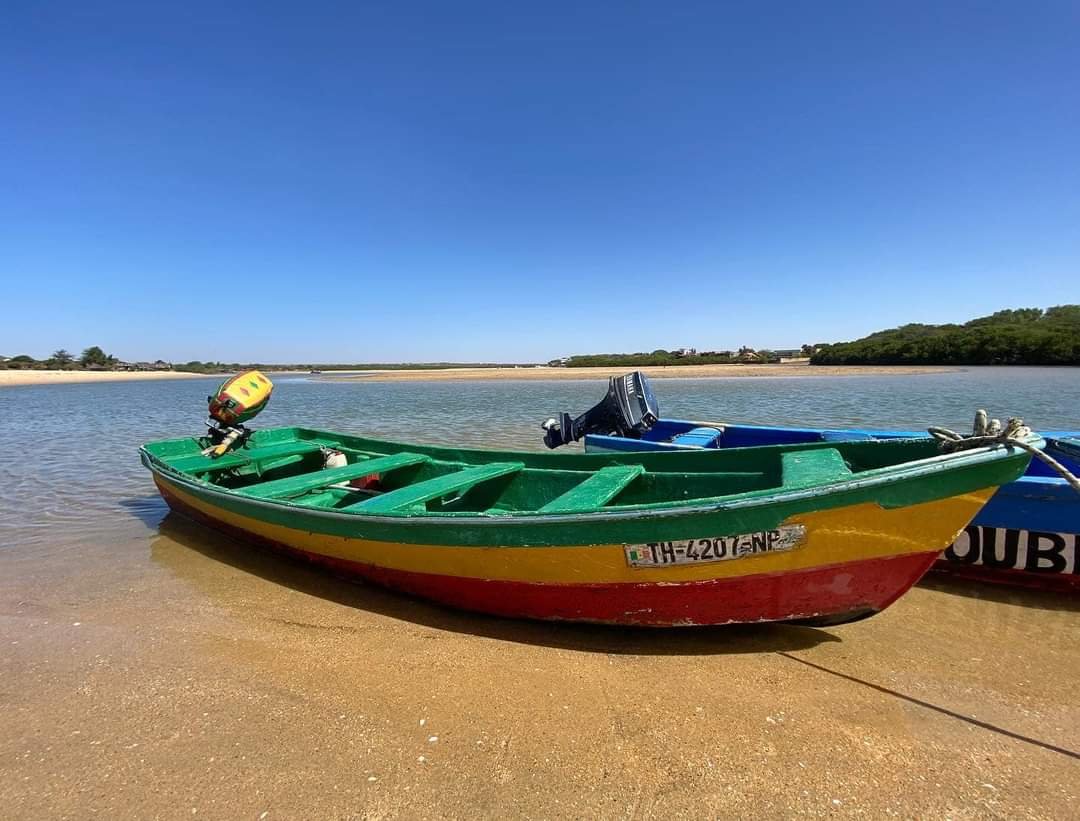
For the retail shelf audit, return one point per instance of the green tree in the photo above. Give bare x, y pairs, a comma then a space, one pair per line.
61, 358
1026, 336
94, 357
21, 362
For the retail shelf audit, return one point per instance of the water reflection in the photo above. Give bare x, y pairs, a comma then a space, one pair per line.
181, 540
149, 510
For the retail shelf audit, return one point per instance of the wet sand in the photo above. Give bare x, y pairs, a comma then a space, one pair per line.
661, 372
12, 378
180, 674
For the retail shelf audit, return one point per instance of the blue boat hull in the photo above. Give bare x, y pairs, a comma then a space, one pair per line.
1027, 535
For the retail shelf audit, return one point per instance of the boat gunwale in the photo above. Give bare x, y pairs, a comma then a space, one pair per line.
1026, 485
883, 476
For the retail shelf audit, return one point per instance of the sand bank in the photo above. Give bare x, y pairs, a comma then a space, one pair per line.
166, 671
10, 378
660, 372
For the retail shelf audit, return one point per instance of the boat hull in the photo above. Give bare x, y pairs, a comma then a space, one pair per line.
1028, 534
856, 561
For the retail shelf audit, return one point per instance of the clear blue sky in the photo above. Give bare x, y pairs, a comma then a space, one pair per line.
482, 181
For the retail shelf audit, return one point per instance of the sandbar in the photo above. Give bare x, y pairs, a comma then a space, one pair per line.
13, 377
653, 372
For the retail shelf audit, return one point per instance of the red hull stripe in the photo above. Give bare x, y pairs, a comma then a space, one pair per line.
870, 585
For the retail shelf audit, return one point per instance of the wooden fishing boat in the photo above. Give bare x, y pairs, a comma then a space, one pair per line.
825, 532
1027, 535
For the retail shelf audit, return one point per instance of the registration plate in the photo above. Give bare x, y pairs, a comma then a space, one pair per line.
715, 549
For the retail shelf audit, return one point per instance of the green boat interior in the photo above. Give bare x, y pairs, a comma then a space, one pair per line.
318, 469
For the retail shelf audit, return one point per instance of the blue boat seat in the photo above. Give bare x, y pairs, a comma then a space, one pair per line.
699, 438
846, 436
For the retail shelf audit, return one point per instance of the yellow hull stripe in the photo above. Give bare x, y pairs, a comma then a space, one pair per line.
848, 534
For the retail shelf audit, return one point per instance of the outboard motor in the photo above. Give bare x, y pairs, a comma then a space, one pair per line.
236, 401
628, 410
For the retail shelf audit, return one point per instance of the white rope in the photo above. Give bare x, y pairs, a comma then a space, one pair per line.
987, 433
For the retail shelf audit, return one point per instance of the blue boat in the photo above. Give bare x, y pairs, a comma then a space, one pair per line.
1027, 535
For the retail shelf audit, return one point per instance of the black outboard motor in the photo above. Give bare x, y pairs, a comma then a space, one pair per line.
629, 409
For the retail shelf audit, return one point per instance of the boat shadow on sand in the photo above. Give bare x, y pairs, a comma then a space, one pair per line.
1000, 593
178, 535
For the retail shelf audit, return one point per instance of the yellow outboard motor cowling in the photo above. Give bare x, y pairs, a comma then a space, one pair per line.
238, 399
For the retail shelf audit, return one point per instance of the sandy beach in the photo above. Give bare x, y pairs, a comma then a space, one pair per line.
12, 378
661, 372
176, 673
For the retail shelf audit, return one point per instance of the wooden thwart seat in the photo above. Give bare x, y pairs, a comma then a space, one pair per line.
811, 467
295, 485
423, 492
597, 490
205, 464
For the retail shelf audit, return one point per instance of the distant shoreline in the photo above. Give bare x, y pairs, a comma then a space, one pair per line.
653, 372
14, 378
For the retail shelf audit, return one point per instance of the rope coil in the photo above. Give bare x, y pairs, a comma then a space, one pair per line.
989, 432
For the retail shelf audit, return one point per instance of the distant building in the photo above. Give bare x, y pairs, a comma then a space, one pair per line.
686, 352
158, 365
747, 354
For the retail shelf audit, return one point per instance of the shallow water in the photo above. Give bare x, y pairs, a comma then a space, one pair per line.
69, 468
153, 668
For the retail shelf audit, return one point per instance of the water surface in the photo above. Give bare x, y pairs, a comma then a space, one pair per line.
69, 469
